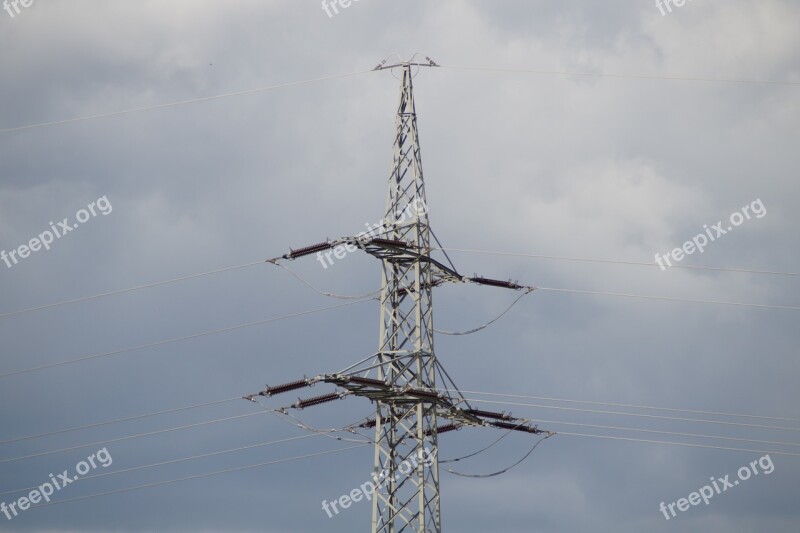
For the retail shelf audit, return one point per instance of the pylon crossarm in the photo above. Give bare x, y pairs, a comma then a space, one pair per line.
383, 66
376, 389
404, 254
381, 391
394, 250
522, 426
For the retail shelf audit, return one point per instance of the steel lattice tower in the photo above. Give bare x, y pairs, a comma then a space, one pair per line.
405, 352
404, 389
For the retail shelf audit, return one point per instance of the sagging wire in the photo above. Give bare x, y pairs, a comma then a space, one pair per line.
506, 434
484, 326
371, 295
503, 471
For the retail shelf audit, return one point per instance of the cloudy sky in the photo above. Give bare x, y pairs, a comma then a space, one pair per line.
627, 157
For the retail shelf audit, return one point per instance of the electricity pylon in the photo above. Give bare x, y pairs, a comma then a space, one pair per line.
404, 389
404, 429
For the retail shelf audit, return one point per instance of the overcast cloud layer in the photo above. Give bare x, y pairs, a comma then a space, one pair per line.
616, 168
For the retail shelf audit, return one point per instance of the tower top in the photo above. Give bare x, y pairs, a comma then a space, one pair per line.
400, 63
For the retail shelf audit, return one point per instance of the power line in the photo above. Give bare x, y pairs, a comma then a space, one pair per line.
332, 295
325, 293
173, 461
619, 262
640, 415
632, 406
136, 436
174, 280
178, 339
109, 422
181, 102
696, 435
325, 78
135, 288
668, 298
238, 398
647, 297
197, 476
183, 278
232, 450
623, 76
678, 444
619, 428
